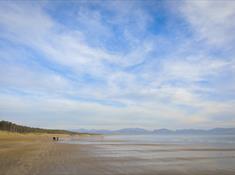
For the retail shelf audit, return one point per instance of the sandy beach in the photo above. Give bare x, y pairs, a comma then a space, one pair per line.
39, 155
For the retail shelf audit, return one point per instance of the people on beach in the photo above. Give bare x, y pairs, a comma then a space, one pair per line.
55, 138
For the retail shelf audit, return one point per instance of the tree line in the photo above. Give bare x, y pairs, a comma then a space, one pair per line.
12, 127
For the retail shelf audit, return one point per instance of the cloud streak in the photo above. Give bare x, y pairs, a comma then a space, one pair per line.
96, 65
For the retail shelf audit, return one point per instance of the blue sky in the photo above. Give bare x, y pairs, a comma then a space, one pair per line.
116, 64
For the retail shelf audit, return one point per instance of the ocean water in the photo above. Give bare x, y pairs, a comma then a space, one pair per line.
151, 154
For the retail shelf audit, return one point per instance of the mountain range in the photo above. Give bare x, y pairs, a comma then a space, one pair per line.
134, 131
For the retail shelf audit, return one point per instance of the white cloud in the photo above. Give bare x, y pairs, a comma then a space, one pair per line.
148, 96
212, 20
35, 80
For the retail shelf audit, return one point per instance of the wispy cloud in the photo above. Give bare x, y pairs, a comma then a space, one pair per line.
98, 65
212, 21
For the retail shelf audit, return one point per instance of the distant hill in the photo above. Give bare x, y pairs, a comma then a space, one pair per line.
215, 131
136, 131
222, 130
12, 127
120, 131
132, 131
162, 131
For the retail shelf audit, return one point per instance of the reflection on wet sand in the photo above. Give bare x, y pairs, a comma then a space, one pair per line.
116, 155
164, 155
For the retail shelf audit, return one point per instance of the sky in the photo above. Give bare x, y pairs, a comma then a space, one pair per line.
117, 64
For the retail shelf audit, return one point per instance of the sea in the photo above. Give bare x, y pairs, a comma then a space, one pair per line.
163, 154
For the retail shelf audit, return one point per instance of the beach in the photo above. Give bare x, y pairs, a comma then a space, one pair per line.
38, 154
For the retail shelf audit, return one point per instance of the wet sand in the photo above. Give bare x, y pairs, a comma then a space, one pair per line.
39, 155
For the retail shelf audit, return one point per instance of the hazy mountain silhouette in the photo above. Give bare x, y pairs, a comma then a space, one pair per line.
215, 131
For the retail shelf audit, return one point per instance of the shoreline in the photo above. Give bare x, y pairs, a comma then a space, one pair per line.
38, 154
